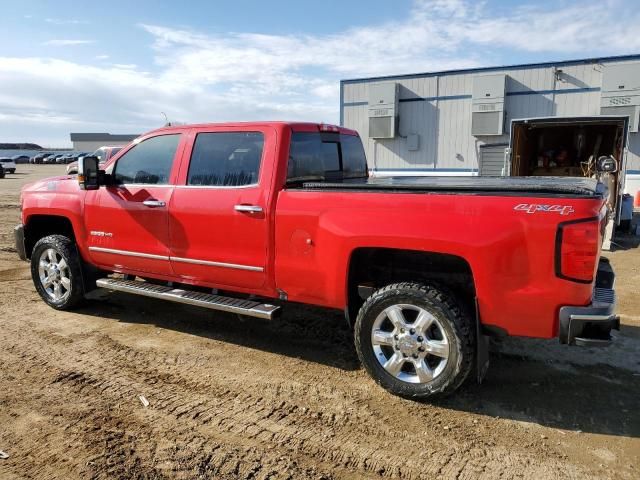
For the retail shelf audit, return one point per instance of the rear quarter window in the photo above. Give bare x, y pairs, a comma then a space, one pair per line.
316, 156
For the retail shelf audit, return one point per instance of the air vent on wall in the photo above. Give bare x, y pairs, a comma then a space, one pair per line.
487, 114
621, 92
383, 109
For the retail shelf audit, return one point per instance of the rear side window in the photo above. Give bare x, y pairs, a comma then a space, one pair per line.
226, 159
354, 161
149, 162
325, 157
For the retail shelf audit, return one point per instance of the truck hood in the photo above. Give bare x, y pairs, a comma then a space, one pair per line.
65, 183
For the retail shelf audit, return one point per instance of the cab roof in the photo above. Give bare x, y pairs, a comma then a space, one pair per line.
295, 126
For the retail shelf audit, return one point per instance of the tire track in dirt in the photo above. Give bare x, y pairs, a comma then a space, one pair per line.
121, 444
221, 406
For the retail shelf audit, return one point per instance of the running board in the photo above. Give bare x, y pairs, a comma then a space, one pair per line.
250, 308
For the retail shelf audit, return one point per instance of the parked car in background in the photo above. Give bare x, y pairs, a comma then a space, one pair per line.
103, 154
39, 158
72, 168
52, 158
20, 159
72, 157
8, 164
106, 152
64, 158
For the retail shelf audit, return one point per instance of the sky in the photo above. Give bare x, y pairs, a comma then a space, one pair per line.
71, 66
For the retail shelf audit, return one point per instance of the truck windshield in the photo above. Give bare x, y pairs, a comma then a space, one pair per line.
319, 156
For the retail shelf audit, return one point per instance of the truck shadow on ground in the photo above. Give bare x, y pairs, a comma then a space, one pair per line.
579, 398
596, 398
313, 335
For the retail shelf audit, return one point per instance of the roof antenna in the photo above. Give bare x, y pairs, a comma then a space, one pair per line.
167, 123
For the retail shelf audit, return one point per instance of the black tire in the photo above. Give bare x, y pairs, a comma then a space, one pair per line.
452, 321
66, 249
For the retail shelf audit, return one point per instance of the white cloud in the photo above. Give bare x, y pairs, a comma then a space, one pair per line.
67, 42
240, 76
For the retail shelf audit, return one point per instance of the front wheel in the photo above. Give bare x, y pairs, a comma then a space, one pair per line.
415, 340
56, 271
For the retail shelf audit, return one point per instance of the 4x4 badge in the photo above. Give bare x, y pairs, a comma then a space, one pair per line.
536, 207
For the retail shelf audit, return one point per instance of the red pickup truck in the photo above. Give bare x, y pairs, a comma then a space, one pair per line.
244, 217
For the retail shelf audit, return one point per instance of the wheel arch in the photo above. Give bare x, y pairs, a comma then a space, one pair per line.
371, 268
38, 226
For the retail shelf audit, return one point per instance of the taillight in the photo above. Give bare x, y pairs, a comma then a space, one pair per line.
577, 246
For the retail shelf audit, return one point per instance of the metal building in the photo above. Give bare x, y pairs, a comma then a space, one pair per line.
460, 122
88, 142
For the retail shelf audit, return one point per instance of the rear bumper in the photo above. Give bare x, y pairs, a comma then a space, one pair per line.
18, 233
591, 325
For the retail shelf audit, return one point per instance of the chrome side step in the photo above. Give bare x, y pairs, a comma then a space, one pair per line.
215, 302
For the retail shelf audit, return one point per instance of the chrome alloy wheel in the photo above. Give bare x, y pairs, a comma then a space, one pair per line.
54, 274
410, 343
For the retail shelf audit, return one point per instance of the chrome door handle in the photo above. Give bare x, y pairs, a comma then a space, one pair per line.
154, 203
248, 208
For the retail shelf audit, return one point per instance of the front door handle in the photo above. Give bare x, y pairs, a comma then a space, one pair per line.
248, 208
154, 203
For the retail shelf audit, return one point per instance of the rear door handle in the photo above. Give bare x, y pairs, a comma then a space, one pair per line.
248, 208
154, 203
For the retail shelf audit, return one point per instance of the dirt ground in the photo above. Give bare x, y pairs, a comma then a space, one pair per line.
287, 398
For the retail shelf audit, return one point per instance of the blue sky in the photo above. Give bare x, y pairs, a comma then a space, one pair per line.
114, 66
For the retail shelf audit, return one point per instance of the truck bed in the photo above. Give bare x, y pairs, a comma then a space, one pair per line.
528, 186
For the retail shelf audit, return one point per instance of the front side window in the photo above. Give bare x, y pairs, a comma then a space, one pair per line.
226, 159
148, 162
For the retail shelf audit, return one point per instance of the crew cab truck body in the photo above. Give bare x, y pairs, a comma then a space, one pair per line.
423, 268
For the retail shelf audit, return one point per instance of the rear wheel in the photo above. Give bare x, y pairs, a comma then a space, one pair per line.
56, 272
415, 340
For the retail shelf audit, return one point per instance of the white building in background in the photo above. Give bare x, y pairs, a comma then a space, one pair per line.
88, 142
461, 122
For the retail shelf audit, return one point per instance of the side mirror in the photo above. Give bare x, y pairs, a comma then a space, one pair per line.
88, 173
606, 164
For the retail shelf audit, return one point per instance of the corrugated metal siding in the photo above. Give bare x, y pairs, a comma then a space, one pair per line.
444, 124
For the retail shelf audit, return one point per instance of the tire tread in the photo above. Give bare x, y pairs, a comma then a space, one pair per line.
463, 327
67, 248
